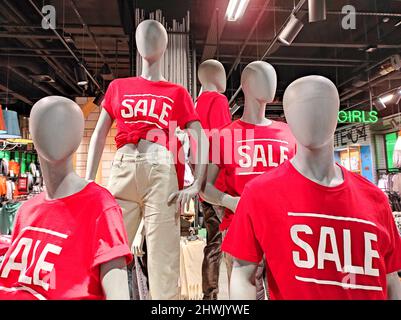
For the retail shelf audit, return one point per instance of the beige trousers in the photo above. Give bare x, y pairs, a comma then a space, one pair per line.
141, 184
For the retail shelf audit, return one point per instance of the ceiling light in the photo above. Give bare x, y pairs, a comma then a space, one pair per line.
236, 9
291, 30
386, 98
317, 10
380, 106
371, 48
398, 24
81, 76
386, 19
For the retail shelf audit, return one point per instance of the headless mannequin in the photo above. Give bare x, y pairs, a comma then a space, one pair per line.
259, 82
311, 106
151, 39
57, 126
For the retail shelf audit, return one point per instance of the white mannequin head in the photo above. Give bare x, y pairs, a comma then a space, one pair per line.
212, 76
259, 81
151, 40
311, 106
56, 125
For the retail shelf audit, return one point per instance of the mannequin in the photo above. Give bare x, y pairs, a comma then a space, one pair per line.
57, 125
257, 143
313, 194
213, 110
145, 108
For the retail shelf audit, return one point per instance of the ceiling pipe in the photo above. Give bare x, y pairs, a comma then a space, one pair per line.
68, 48
12, 62
89, 33
273, 41
57, 67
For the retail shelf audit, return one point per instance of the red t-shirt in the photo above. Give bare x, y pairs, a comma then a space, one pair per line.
214, 113
58, 246
150, 110
5, 242
246, 151
319, 242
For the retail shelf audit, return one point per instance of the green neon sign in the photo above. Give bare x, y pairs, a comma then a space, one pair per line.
357, 116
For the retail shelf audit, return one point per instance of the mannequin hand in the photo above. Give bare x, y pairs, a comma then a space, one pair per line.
183, 198
137, 245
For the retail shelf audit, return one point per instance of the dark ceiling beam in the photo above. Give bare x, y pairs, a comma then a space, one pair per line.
244, 44
87, 51
66, 26
314, 59
329, 12
304, 44
216, 28
309, 64
88, 32
41, 36
65, 44
30, 81
57, 67
15, 95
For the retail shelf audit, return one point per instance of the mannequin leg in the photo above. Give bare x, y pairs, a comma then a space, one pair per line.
121, 185
212, 253
162, 232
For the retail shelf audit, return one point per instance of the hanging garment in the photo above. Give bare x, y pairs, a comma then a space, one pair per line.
10, 190
383, 182
396, 183
191, 269
7, 215
4, 167
14, 168
3, 186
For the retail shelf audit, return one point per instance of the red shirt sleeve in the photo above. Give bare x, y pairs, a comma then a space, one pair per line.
240, 240
184, 110
111, 241
107, 103
393, 256
220, 113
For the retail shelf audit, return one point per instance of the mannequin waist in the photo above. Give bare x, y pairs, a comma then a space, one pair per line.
143, 146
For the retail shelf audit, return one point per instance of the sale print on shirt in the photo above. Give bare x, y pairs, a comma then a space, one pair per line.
31, 262
147, 109
256, 156
337, 251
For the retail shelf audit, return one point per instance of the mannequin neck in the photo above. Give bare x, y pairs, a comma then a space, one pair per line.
60, 178
152, 71
209, 87
254, 112
318, 165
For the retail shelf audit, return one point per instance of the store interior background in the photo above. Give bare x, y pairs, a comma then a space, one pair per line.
97, 37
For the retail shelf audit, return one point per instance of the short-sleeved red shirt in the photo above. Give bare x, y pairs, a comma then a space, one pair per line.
59, 245
214, 113
245, 151
319, 242
150, 110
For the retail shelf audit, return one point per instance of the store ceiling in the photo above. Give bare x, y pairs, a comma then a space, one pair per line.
30, 55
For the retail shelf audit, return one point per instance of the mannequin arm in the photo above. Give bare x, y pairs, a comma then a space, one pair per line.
183, 197
97, 143
215, 196
393, 286
242, 283
137, 244
115, 279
